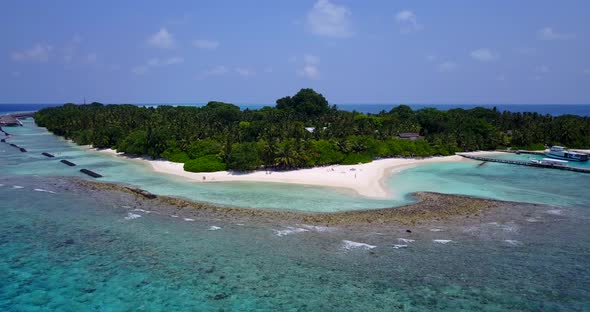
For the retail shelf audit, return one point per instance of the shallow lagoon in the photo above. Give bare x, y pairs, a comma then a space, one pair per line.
498, 181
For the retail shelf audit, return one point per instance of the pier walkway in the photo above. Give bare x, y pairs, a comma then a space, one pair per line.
526, 163
522, 152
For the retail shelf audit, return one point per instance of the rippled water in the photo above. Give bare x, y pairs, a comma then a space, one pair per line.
62, 250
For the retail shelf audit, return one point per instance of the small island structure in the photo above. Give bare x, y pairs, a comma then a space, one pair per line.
9, 121
410, 136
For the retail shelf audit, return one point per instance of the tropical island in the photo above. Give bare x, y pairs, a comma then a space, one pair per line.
303, 131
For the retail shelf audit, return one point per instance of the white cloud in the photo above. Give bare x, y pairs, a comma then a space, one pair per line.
483, 55
330, 20
162, 39
205, 44
310, 68
38, 53
549, 34
310, 71
157, 62
245, 72
407, 22
446, 67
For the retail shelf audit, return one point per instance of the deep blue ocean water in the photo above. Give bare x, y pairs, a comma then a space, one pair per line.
551, 109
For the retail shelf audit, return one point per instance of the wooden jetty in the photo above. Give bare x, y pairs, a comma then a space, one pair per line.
9, 121
522, 152
22, 115
90, 173
526, 163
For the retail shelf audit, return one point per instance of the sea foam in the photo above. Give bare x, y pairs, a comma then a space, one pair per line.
349, 245
317, 228
17, 187
442, 241
189, 219
131, 216
406, 240
399, 246
513, 242
42, 190
214, 228
289, 230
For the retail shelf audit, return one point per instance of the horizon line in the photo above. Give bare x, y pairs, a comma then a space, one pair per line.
272, 104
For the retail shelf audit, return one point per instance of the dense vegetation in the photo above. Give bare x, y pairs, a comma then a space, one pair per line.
220, 136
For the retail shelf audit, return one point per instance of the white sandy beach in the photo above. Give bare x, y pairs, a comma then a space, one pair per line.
365, 179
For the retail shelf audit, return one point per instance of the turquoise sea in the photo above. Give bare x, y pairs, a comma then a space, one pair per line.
64, 251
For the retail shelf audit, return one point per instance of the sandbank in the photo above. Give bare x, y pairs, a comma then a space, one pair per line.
365, 179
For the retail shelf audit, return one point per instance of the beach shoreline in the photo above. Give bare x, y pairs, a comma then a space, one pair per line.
367, 180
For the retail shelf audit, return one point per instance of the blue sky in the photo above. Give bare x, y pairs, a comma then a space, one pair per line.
452, 51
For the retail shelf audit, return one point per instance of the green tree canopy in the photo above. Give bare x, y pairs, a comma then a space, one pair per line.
306, 102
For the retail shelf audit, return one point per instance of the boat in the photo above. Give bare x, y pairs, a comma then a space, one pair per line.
560, 152
549, 162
